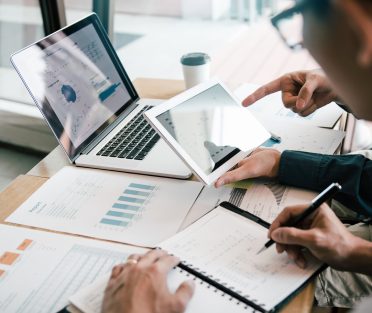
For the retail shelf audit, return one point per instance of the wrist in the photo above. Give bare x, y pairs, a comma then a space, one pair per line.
276, 163
359, 257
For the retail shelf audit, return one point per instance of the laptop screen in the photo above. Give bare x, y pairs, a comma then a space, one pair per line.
78, 82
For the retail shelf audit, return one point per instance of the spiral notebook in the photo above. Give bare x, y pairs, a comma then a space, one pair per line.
219, 252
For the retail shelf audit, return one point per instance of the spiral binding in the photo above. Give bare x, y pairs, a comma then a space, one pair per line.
216, 290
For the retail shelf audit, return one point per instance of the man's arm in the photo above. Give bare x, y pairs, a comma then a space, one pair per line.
316, 172
311, 171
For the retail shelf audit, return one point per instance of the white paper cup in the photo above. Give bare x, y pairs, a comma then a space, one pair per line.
196, 68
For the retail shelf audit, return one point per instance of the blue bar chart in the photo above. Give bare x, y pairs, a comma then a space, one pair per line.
129, 205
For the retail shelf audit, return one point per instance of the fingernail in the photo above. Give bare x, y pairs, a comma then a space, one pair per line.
300, 103
247, 101
220, 183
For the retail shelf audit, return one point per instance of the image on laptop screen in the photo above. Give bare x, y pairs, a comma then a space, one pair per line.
75, 80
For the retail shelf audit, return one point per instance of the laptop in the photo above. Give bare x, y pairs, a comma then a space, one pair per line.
83, 91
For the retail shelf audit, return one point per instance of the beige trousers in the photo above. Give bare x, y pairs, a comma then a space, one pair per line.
345, 289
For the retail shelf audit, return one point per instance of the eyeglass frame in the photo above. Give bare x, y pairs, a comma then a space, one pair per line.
298, 8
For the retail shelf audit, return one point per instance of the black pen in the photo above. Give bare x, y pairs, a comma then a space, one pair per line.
324, 196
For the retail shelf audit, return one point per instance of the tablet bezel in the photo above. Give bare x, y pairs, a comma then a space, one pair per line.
151, 117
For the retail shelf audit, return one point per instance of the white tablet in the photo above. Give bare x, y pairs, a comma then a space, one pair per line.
208, 128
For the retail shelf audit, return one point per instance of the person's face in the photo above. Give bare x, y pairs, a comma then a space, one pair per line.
335, 45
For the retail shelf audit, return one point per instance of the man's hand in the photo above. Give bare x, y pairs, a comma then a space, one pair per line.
261, 163
303, 92
323, 235
140, 286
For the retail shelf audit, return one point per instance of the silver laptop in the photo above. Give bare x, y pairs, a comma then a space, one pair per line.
79, 84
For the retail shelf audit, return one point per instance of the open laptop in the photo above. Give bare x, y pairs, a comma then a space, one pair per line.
79, 84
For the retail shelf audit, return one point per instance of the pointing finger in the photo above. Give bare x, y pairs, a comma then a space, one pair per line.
263, 91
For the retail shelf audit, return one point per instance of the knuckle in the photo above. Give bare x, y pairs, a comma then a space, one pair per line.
287, 76
306, 89
315, 237
154, 269
312, 76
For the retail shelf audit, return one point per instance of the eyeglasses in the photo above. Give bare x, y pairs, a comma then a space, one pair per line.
289, 24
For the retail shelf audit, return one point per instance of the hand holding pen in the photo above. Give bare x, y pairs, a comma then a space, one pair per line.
321, 233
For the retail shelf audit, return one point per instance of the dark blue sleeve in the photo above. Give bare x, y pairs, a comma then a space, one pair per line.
317, 171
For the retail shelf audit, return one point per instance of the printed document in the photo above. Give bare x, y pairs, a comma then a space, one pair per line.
302, 137
263, 198
135, 209
40, 270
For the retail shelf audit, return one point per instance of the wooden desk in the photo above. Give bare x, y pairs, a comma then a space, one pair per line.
23, 186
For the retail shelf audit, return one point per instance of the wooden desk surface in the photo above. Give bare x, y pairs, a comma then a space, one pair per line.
23, 186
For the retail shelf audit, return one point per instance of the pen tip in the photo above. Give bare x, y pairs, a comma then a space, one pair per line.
262, 249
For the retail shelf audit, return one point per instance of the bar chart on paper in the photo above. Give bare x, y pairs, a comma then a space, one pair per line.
125, 208
129, 206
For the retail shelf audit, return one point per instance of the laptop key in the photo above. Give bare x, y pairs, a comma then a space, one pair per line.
141, 155
133, 141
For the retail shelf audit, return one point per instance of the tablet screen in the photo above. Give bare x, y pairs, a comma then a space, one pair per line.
211, 127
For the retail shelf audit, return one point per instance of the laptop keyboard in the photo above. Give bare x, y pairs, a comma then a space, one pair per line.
133, 141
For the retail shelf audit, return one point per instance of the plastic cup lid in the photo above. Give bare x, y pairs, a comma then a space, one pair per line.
195, 58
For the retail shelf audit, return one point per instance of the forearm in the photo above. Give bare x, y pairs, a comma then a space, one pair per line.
360, 257
316, 172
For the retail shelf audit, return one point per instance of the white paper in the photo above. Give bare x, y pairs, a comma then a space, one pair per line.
265, 199
204, 299
224, 245
39, 270
122, 207
272, 106
302, 137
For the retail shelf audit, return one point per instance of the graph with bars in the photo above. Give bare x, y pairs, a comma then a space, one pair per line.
129, 205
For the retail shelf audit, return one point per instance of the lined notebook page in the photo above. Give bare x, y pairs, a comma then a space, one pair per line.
224, 246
